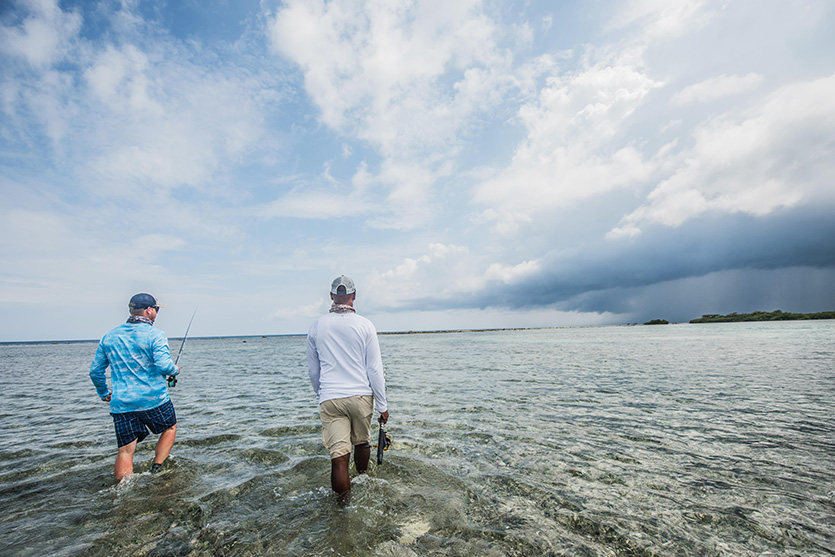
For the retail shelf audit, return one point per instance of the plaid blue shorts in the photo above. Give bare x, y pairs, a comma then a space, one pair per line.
132, 426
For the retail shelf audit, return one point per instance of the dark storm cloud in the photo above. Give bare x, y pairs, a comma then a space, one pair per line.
613, 276
792, 239
796, 289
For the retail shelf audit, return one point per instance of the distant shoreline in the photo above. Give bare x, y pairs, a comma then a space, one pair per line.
776, 315
379, 333
708, 318
496, 330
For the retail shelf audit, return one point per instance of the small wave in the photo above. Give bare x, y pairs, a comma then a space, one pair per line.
80, 444
18, 455
262, 456
363, 479
210, 441
291, 430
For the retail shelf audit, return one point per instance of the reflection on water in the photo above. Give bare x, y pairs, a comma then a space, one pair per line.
677, 440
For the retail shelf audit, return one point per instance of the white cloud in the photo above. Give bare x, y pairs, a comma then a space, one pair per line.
182, 122
397, 197
409, 202
130, 112
308, 311
446, 250
716, 88
381, 69
316, 204
444, 270
662, 19
407, 78
506, 222
45, 35
778, 154
508, 274
568, 154
122, 79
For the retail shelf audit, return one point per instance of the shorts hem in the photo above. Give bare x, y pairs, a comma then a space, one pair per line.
138, 440
333, 457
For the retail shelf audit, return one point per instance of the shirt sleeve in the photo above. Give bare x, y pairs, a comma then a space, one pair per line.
313, 365
374, 369
97, 372
162, 356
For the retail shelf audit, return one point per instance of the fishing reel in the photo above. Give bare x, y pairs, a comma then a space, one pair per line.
383, 442
172, 381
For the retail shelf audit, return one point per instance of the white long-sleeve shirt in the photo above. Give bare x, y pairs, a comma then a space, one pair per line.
343, 359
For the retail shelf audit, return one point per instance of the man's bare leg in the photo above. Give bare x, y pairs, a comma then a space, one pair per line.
362, 454
124, 461
340, 478
164, 444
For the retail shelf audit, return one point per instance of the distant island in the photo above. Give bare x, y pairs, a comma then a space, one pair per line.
762, 316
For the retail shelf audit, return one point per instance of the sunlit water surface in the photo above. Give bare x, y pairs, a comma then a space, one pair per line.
668, 440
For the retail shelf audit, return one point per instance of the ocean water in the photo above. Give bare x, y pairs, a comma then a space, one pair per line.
667, 440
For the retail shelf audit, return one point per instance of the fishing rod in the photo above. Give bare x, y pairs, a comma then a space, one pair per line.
383, 442
172, 379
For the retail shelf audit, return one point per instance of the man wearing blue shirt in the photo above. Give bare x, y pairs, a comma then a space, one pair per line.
140, 362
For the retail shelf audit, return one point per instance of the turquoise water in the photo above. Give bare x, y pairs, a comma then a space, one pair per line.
669, 440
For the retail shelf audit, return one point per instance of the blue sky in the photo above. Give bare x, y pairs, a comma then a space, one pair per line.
471, 164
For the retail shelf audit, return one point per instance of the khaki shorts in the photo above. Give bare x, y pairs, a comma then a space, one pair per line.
346, 422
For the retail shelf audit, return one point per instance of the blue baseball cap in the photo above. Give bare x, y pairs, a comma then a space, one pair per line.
142, 301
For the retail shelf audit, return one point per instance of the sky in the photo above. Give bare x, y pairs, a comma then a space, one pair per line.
469, 163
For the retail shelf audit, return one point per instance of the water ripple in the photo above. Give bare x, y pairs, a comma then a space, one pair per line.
682, 440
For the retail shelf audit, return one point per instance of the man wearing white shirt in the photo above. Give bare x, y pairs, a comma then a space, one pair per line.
346, 372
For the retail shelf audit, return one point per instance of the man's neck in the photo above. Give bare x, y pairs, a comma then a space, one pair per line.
139, 319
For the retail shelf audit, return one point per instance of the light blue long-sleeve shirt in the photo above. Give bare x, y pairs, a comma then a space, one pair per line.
139, 361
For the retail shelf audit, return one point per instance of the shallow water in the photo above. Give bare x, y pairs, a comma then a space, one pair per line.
671, 440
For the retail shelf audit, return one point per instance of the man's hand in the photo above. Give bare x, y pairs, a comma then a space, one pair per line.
107, 398
384, 416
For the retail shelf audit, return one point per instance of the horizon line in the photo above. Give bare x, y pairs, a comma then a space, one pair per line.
381, 333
